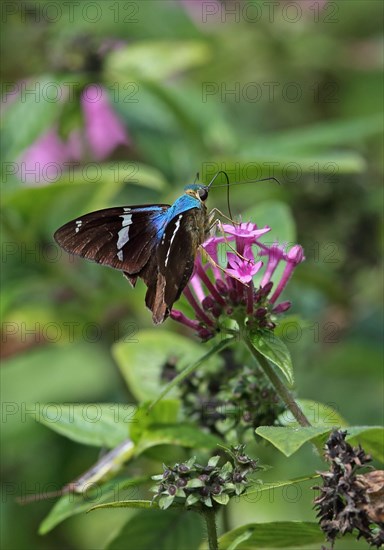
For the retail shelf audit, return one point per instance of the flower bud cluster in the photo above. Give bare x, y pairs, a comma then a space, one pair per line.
228, 398
192, 484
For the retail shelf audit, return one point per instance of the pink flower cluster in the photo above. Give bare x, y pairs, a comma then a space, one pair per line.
216, 293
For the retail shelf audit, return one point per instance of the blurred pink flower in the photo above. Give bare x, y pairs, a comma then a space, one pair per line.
45, 160
204, 11
49, 156
104, 130
307, 5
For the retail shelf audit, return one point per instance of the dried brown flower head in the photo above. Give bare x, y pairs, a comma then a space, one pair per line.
349, 500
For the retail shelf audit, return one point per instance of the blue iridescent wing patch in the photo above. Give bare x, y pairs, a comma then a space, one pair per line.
157, 243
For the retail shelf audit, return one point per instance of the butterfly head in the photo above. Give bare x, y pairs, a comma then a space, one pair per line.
199, 192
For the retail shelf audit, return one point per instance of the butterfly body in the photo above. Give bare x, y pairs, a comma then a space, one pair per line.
157, 243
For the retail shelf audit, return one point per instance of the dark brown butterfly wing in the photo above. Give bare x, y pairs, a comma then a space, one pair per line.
123, 238
176, 254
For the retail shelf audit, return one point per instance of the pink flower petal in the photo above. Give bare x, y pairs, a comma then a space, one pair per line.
296, 254
246, 230
240, 269
103, 128
43, 162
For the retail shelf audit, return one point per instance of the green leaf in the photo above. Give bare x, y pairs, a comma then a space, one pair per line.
99, 424
274, 349
72, 504
189, 124
138, 504
163, 530
297, 163
289, 440
221, 499
317, 413
100, 176
279, 534
80, 371
166, 501
108, 178
155, 61
267, 486
311, 138
192, 499
227, 468
213, 461
165, 412
194, 483
371, 438
183, 435
142, 365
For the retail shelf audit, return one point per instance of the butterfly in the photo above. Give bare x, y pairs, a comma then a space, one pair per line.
157, 243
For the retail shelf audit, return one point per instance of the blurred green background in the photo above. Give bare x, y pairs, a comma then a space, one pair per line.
289, 89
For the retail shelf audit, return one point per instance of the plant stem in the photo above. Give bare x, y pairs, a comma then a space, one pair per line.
210, 520
280, 388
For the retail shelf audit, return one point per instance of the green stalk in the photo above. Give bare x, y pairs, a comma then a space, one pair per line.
280, 388
210, 521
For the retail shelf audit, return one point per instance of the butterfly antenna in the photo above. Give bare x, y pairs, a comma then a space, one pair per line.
216, 175
249, 181
268, 179
227, 185
228, 203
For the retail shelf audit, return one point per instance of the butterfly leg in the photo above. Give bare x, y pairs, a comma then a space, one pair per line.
209, 258
231, 247
213, 222
216, 211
